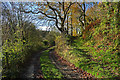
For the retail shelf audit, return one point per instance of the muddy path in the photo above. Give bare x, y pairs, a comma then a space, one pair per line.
32, 67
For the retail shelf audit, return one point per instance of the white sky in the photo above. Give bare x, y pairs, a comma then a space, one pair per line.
44, 28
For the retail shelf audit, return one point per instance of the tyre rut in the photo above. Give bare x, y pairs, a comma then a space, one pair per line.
67, 70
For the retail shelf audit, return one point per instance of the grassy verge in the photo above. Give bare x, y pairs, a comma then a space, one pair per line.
97, 68
48, 69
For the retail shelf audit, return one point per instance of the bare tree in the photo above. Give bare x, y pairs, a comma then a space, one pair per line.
54, 11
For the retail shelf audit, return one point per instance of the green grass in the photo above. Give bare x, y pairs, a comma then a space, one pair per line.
79, 57
49, 70
95, 67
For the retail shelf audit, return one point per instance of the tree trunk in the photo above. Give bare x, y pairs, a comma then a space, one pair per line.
84, 15
7, 60
71, 25
67, 24
117, 15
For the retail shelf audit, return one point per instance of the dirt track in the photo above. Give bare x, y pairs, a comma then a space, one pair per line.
32, 70
68, 69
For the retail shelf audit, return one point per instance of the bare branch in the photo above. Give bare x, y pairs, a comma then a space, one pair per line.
58, 12
38, 12
67, 9
80, 6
